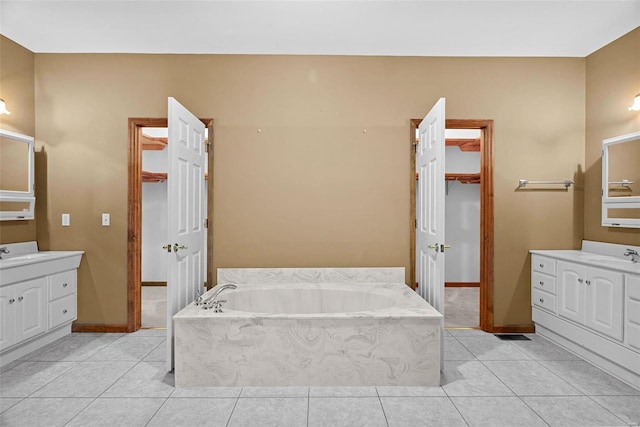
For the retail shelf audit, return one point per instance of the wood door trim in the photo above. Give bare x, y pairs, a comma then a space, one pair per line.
134, 216
486, 211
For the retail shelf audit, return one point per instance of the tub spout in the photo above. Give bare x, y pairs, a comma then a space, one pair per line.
212, 302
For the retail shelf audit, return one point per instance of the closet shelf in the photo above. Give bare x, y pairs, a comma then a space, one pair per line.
159, 176
154, 176
464, 178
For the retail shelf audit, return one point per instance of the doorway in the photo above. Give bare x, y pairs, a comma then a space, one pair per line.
485, 141
135, 197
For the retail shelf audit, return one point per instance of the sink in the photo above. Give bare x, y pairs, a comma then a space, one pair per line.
608, 260
30, 265
27, 256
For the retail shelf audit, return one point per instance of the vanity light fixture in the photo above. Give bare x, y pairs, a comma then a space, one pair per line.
3, 107
636, 103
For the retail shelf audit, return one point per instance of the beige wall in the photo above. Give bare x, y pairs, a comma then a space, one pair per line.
298, 181
613, 79
17, 89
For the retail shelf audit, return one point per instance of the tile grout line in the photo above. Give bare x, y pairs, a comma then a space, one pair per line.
234, 406
384, 413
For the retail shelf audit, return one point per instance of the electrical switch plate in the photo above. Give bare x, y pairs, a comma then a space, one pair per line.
106, 219
66, 220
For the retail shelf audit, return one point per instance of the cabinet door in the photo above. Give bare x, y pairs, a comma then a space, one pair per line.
570, 291
31, 308
604, 302
7, 317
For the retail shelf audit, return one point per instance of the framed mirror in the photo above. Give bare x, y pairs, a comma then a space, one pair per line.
621, 181
17, 178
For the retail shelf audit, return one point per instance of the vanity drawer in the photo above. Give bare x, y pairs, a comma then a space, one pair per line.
62, 310
544, 282
544, 300
62, 284
633, 286
543, 264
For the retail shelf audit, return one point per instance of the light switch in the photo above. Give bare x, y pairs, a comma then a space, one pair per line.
106, 219
66, 220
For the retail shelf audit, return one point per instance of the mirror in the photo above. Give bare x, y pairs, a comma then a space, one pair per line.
17, 199
621, 181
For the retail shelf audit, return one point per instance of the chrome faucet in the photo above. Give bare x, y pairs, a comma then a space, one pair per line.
4, 250
635, 257
212, 302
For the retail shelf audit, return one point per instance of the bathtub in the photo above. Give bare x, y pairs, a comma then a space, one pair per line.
310, 327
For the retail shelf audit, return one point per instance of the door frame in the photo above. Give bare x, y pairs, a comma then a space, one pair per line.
486, 211
134, 215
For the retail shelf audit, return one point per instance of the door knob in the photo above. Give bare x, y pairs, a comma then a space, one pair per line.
177, 247
443, 247
436, 246
167, 247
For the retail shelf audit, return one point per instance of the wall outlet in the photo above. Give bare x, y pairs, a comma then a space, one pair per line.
66, 220
106, 220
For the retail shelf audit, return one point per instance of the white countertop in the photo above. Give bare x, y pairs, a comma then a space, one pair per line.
597, 254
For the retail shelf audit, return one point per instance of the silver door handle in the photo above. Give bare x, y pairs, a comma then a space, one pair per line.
443, 247
177, 247
436, 246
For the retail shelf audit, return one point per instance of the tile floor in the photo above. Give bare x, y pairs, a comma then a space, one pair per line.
119, 380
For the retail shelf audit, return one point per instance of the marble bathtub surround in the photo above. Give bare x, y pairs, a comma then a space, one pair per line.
311, 275
311, 334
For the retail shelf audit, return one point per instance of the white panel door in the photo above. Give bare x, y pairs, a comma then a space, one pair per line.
430, 211
604, 302
31, 309
571, 291
7, 316
186, 205
430, 207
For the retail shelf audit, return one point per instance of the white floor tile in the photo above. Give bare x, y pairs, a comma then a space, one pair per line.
572, 411
48, 412
471, 378
109, 412
146, 379
269, 412
497, 412
529, 378
193, 412
421, 411
346, 412
88, 379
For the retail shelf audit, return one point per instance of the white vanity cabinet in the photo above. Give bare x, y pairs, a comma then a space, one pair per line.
589, 303
22, 311
632, 311
592, 297
38, 300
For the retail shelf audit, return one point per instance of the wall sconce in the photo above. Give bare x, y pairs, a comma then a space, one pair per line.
3, 107
636, 103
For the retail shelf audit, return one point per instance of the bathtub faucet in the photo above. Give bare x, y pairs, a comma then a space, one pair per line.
212, 302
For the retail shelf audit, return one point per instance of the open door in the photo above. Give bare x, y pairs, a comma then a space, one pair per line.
430, 208
187, 211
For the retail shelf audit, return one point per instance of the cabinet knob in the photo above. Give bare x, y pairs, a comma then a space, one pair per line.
579, 280
588, 282
541, 265
64, 311
64, 285
542, 300
20, 298
12, 300
541, 283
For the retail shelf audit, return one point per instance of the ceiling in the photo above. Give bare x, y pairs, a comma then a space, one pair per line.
573, 28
